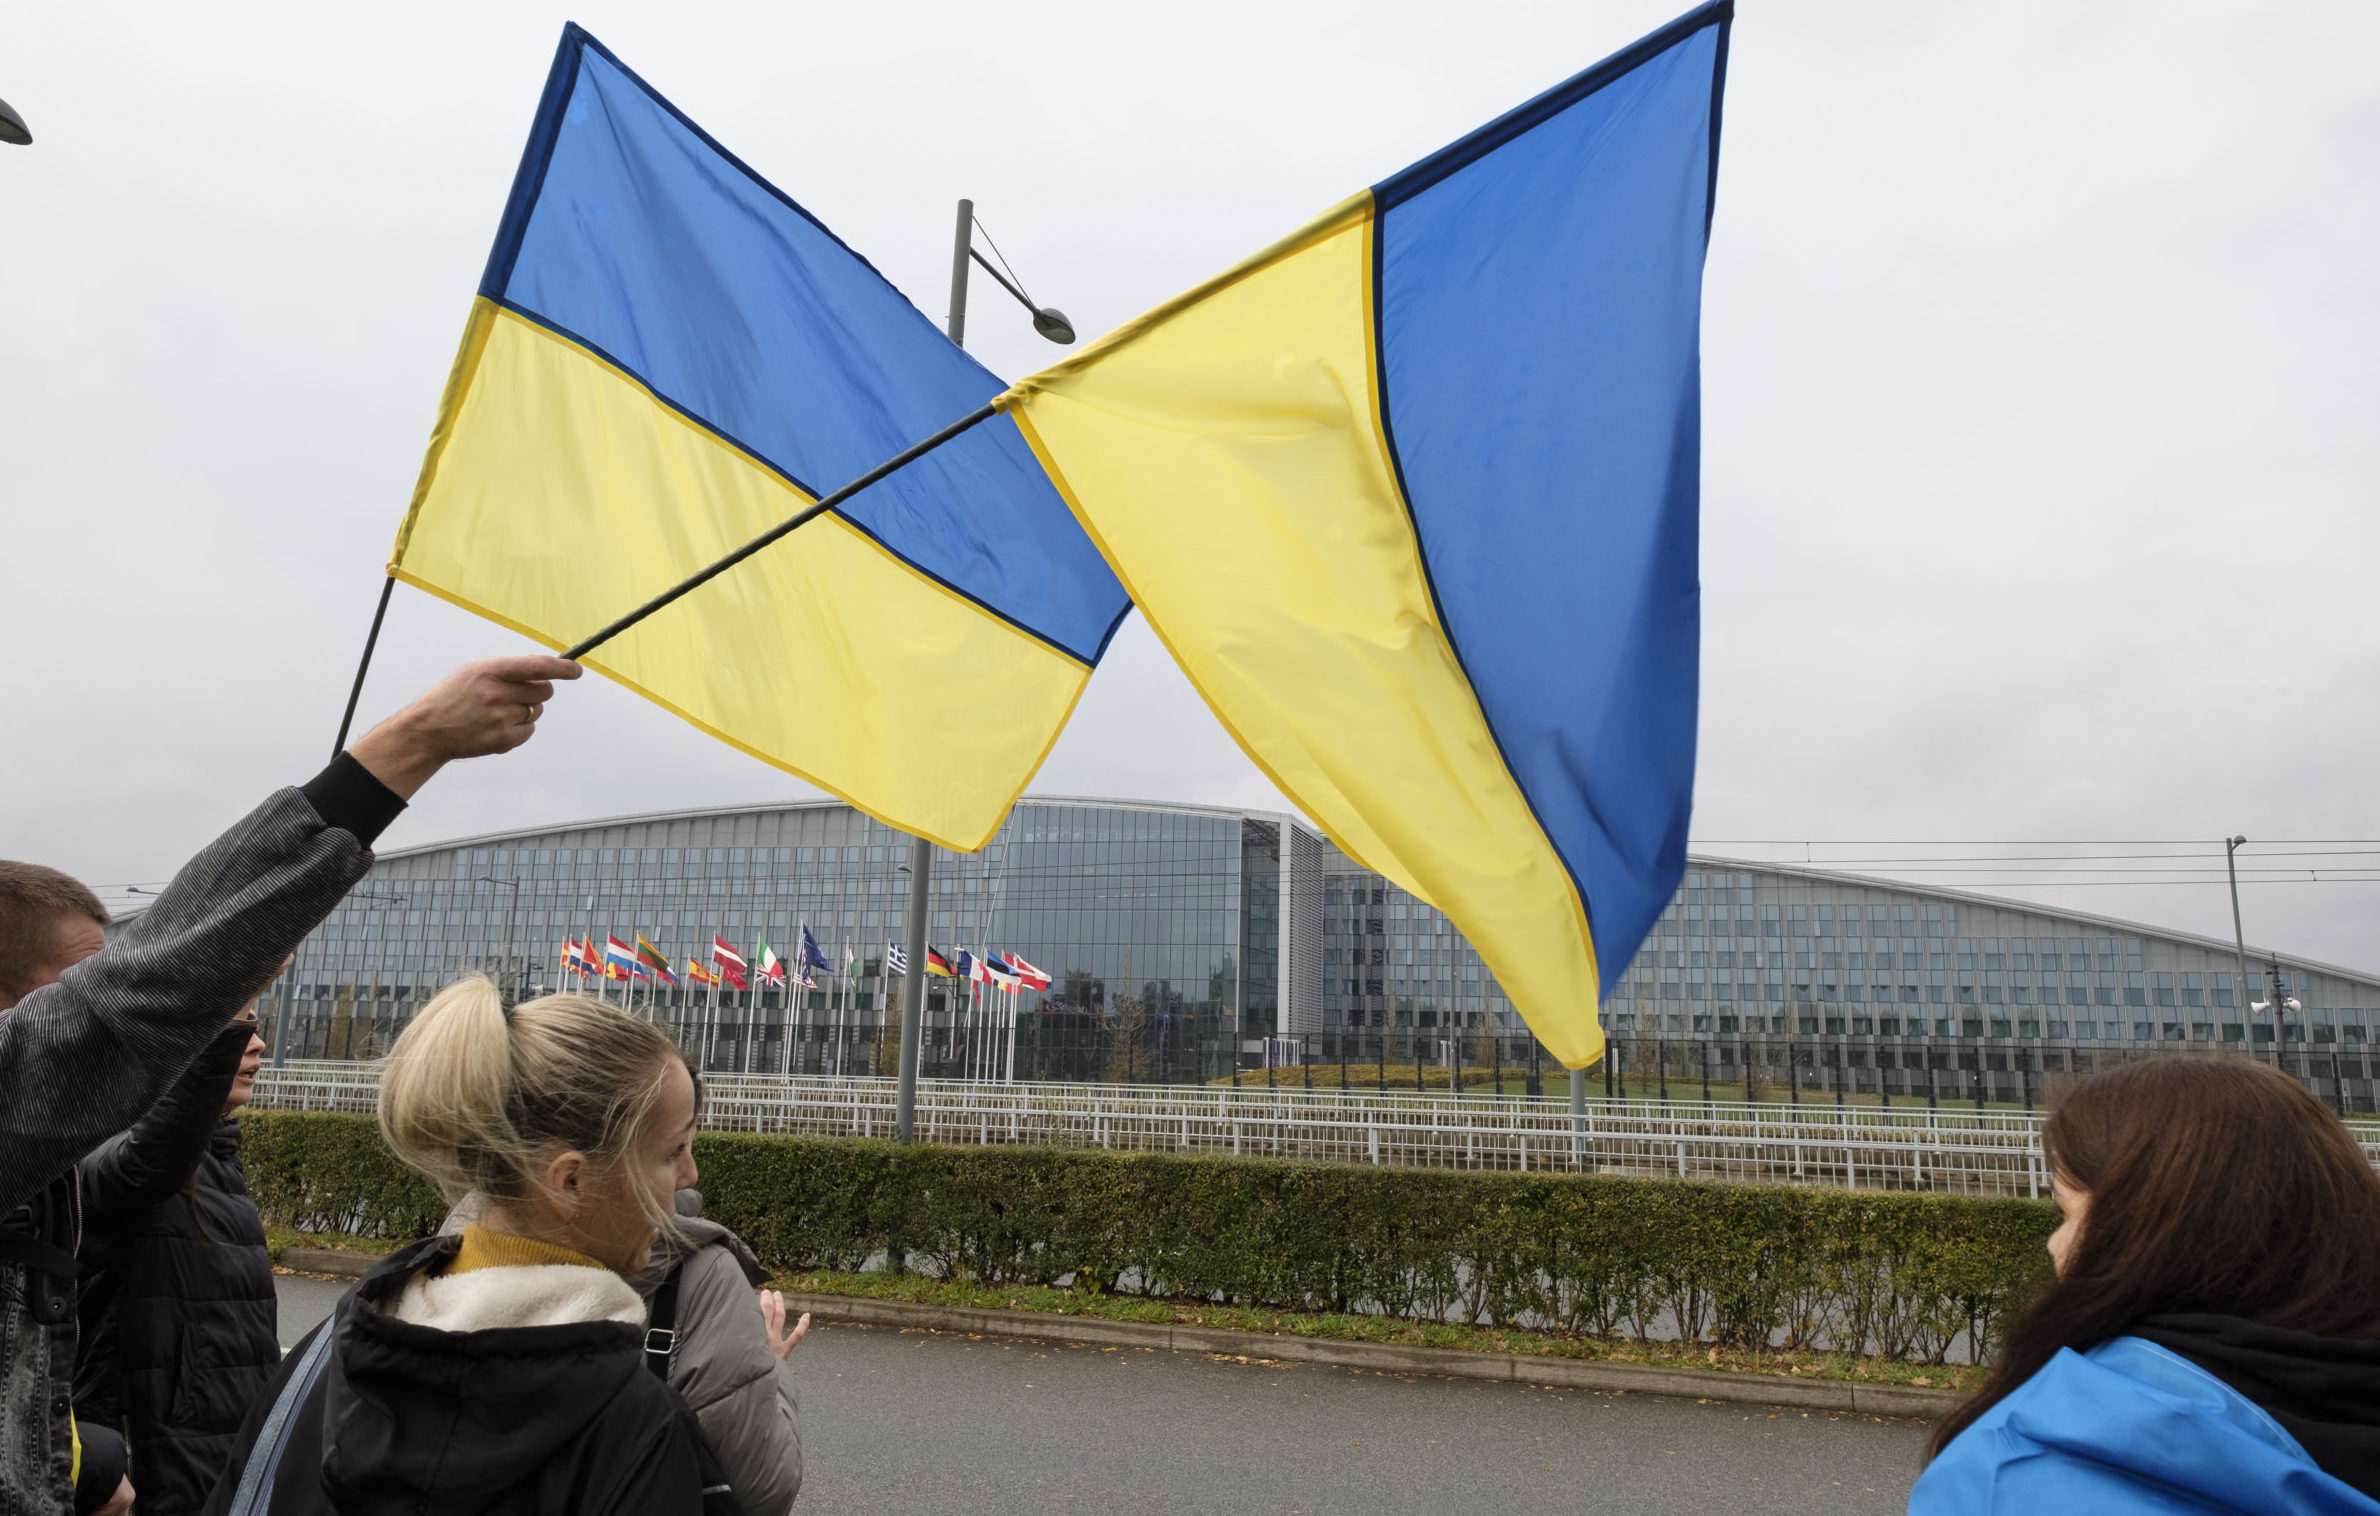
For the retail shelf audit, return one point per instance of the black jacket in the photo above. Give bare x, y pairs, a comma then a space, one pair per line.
508, 1421
82, 1058
2324, 1391
180, 1326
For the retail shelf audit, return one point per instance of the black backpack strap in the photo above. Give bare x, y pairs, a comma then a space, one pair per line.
27, 1239
718, 1496
253, 1496
661, 1323
42, 1257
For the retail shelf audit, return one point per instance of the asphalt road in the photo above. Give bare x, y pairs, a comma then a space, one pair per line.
305, 1301
921, 1422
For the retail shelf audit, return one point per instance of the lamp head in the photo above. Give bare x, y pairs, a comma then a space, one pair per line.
1052, 323
12, 126
2239, 842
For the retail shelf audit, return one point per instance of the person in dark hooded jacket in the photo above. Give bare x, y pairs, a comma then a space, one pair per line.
502, 1371
724, 1350
180, 1328
2211, 1340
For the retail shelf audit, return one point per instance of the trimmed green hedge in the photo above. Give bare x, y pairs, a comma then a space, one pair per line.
1900, 1275
315, 1171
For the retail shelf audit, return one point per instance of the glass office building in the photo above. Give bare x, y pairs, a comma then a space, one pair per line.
1863, 987
1184, 941
1785, 950
1163, 922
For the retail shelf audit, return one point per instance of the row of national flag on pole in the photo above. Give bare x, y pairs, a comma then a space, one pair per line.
618, 961
1412, 496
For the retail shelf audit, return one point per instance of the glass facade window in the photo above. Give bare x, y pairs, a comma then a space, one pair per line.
1184, 942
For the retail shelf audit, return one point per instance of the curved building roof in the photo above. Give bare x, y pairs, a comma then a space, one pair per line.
1235, 924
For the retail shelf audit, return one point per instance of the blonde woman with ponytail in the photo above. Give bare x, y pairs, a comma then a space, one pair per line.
501, 1371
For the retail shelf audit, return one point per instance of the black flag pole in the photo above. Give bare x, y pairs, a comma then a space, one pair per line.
894, 464
371, 640
972, 419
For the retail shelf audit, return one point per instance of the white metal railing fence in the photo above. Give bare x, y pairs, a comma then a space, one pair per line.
1866, 1147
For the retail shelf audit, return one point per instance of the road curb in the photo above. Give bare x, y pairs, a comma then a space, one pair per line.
1389, 1358
324, 1261
1337, 1352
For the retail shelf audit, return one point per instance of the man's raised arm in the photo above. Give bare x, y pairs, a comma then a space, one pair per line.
83, 1054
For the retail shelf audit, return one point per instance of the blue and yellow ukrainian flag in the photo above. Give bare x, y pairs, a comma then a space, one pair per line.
1412, 498
667, 357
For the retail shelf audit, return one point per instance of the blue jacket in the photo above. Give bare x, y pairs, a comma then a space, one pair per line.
2128, 1428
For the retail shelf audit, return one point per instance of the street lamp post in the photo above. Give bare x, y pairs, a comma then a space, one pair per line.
1053, 325
2278, 1003
1047, 320
512, 914
289, 986
913, 989
2239, 945
380, 941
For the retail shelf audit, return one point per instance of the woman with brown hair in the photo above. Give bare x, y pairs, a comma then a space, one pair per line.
180, 1327
2211, 1340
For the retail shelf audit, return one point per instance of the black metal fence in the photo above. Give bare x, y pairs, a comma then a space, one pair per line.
1054, 1041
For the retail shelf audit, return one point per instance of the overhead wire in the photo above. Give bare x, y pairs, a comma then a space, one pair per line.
1100, 881
1096, 879
2020, 841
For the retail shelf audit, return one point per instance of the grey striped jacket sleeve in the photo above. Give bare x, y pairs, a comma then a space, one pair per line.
81, 1059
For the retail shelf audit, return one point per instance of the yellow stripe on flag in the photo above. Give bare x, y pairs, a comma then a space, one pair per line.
1225, 453
560, 494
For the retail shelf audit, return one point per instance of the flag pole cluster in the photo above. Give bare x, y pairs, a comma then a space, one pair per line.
727, 966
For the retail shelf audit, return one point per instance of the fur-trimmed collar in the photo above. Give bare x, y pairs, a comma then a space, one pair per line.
532, 1295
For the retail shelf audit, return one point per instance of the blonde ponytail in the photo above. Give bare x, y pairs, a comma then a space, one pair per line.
479, 1101
446, 1089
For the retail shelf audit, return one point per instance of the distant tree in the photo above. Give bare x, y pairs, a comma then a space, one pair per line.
1128, 1018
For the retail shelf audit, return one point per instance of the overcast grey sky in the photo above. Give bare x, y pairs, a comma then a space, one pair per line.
2036, 502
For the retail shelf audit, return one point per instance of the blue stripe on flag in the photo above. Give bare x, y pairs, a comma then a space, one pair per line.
1539, 309
632, 230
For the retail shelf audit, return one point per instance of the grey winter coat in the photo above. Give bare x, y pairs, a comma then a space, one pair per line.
81, 1059
742, 1396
